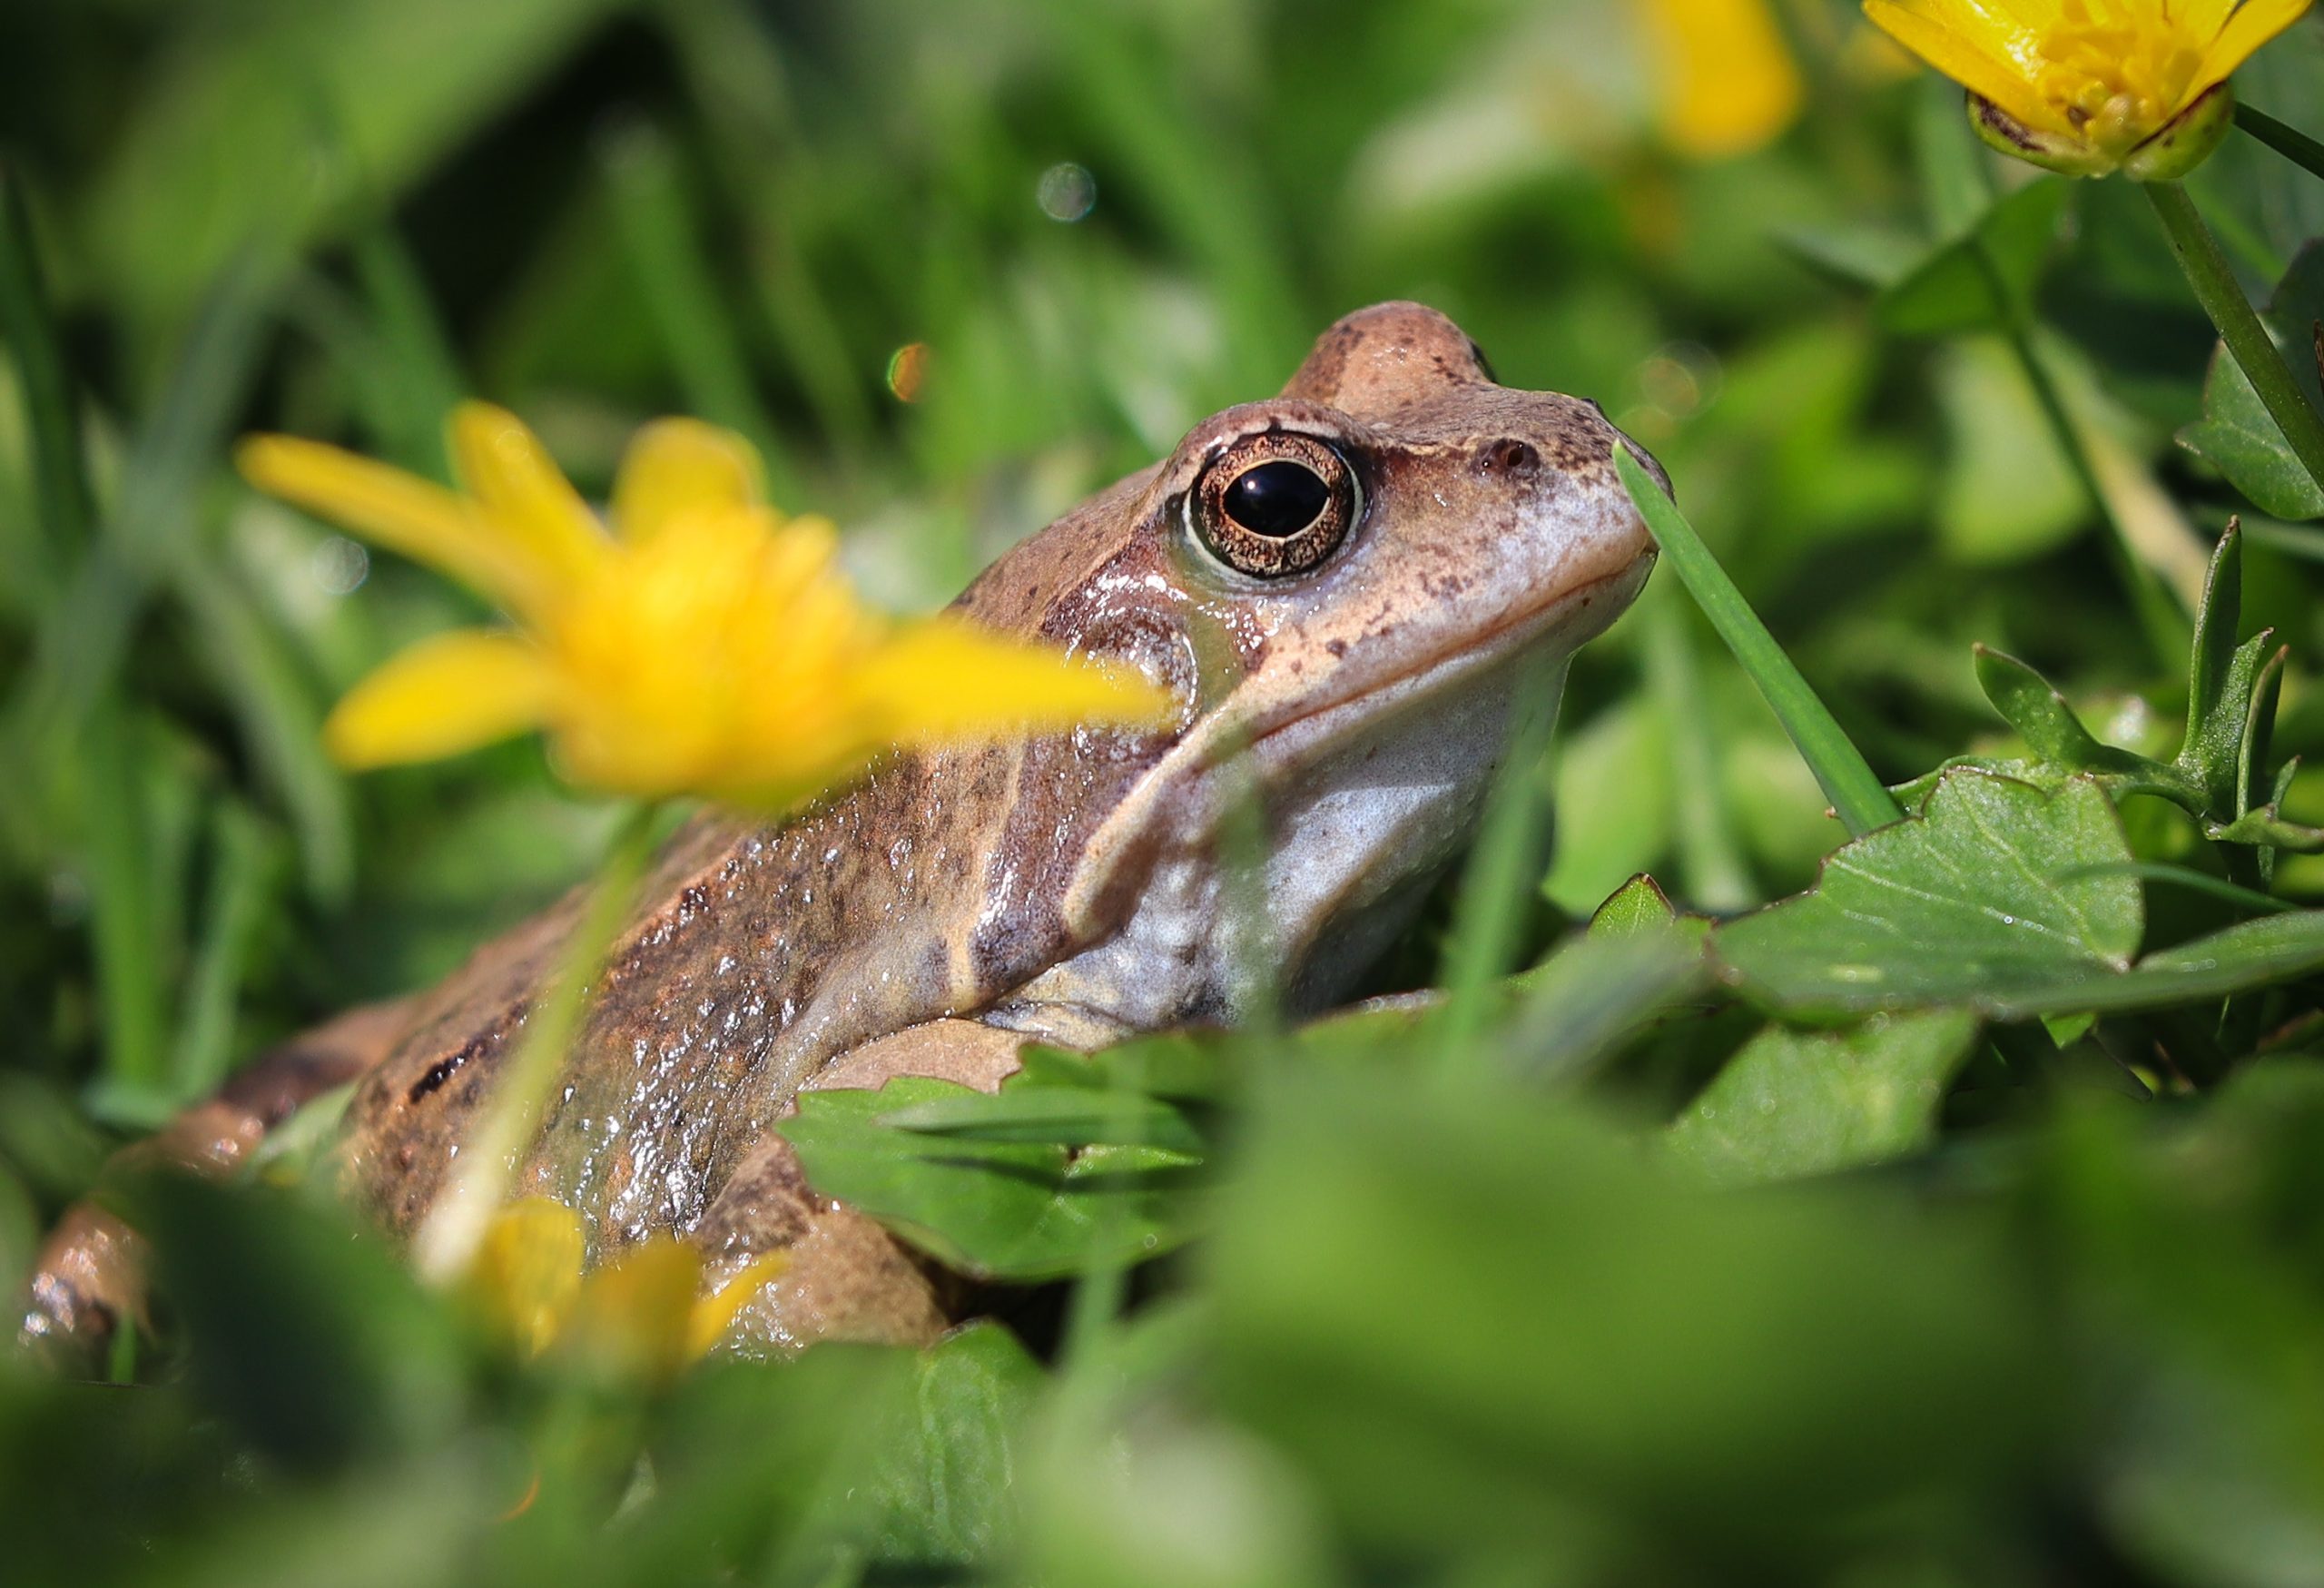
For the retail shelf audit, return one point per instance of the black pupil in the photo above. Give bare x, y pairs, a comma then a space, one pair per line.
1277, 500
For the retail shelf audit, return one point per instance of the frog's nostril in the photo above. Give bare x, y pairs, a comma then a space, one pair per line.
1509, 456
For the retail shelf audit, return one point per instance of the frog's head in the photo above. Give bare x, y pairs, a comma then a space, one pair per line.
1347, 581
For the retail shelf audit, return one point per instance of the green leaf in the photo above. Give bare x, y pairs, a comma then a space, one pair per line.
2250, 953
1637, 907
1983, 278
2029, 703
938, 1491
315, 1345
1578, 1007
2216, 708
1971, 903
1012, 1208
1454, 1316
2264, 826
2005, 898
1077, 1117
2237, 435
1794, 1103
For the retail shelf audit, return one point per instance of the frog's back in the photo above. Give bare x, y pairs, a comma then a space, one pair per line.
762, 954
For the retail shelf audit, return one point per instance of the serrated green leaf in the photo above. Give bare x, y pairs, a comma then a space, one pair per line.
1018, 1210
2237, 435
1975, 905
1794, 1103
1971, 903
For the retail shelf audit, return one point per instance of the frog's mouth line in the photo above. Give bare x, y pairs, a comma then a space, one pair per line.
1126, 845
1318, 727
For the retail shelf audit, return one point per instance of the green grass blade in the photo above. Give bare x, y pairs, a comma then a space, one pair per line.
280, 718
1859, 797
1712, 870
60, 480
1504, 868
703, 342
242, 868
2287, 141
423, 372
118, 853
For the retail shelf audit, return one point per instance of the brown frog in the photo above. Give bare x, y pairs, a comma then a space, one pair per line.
1341, 587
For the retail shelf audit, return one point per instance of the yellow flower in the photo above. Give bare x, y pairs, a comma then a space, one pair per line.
1724, 78
2093, 86
640, 1316
709, 645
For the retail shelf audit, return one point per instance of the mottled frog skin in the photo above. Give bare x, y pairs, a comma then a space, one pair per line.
1342, 586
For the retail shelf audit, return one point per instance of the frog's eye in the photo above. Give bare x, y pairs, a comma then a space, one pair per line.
1274, 504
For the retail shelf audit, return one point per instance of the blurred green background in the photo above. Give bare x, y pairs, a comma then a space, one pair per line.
952, 267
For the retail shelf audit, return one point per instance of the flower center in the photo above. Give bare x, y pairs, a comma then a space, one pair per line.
2117, 70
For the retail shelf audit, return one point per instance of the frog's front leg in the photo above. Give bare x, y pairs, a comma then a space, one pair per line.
848, 1279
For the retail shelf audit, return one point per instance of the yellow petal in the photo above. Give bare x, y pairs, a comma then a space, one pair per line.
679, 466
2009, 30
715, 1313
635, 1316
526, 500
943, 679
527, 1274
415, 517
1968, 62
2255, 22
2203, 18
1725, 78
444, 694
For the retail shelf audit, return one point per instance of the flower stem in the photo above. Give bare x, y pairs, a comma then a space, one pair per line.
464, 1208
2287, 141
2164, 623
2248, 342
1859, 797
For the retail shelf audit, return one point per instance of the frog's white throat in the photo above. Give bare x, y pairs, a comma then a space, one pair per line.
1366, 801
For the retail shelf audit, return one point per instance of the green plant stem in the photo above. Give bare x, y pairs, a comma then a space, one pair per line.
1859, 797
2248, 342
1504, 869
2165, 624
448, 1239
1712, 872
2287, 141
